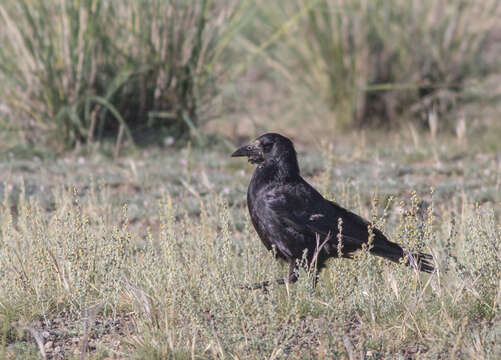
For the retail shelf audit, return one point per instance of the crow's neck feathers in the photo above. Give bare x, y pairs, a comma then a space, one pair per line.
281, 169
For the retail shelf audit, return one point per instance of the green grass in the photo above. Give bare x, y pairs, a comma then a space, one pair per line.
160, 239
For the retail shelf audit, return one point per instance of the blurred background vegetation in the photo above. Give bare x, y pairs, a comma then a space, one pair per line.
83, 71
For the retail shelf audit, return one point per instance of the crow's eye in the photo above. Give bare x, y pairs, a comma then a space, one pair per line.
267, 147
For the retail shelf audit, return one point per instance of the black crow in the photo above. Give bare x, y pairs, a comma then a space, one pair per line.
297, 222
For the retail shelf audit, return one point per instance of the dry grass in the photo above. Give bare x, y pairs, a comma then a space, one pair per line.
160, 241
358, 63
77, 71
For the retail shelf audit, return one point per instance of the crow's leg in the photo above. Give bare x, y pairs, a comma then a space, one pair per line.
293, 275
292, 278
315, 268
316, 276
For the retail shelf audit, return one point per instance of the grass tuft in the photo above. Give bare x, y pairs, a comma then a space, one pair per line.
378, 63
75, 71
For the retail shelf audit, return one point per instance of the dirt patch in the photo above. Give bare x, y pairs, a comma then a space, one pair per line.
62, 337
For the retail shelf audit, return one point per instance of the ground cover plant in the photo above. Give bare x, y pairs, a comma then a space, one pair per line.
142, 258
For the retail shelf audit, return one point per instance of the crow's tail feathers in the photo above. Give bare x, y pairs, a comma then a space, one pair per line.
420, 261
395, 253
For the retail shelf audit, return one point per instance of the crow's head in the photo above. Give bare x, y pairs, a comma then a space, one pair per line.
269, 148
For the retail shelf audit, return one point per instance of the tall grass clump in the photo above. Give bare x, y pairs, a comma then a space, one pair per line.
76, 70
380, 62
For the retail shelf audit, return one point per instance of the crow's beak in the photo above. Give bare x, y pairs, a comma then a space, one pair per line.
246, 150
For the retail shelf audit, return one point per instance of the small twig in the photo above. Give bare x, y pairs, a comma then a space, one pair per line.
349, 347
88, 322
38, 338
119, 141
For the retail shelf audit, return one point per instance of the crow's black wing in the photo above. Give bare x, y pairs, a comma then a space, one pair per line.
305, 213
